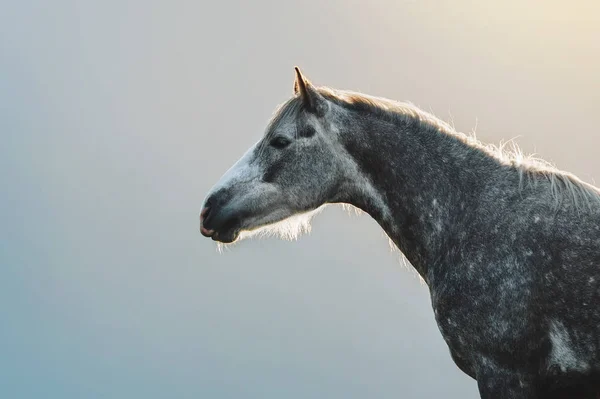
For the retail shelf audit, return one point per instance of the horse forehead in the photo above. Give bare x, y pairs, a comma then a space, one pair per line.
285, 125
289, 122
279, 123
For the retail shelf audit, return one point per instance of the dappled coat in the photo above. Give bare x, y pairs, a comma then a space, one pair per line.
508, 245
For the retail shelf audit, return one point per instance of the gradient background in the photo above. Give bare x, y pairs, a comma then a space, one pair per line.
118, 116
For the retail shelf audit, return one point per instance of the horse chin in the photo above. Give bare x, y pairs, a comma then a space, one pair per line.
226, 237
281, 224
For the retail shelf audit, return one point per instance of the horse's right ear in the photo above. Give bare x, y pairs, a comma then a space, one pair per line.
312, 99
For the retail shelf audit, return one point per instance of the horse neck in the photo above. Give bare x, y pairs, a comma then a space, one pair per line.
427, 178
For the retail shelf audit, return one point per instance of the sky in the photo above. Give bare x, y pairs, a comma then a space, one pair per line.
116, 118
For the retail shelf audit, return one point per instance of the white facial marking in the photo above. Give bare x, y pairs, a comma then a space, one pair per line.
242, 170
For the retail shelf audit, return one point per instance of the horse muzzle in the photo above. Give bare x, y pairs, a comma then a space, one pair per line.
219, 221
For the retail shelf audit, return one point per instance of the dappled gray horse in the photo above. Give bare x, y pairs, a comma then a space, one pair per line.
508, 245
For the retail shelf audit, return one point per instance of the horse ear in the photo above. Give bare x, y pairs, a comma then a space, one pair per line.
313, 100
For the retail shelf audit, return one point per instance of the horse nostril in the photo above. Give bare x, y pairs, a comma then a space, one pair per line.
204, 213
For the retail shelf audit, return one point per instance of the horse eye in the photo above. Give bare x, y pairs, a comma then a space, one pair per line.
280, 142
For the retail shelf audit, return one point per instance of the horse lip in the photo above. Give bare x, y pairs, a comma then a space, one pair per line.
226, 237
206, 232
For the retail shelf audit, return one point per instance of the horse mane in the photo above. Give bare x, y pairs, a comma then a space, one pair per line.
531, 169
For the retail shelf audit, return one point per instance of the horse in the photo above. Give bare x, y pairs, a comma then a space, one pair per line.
508, 245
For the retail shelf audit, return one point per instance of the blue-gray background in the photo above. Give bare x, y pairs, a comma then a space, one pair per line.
116, 117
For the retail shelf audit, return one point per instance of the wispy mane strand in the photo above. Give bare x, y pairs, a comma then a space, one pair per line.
563, 185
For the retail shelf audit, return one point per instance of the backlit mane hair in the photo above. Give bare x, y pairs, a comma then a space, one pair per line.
531, 169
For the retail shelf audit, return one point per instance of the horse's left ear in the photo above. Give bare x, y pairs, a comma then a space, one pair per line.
313, 100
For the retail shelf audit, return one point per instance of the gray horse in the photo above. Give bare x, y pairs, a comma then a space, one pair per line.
508, 245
